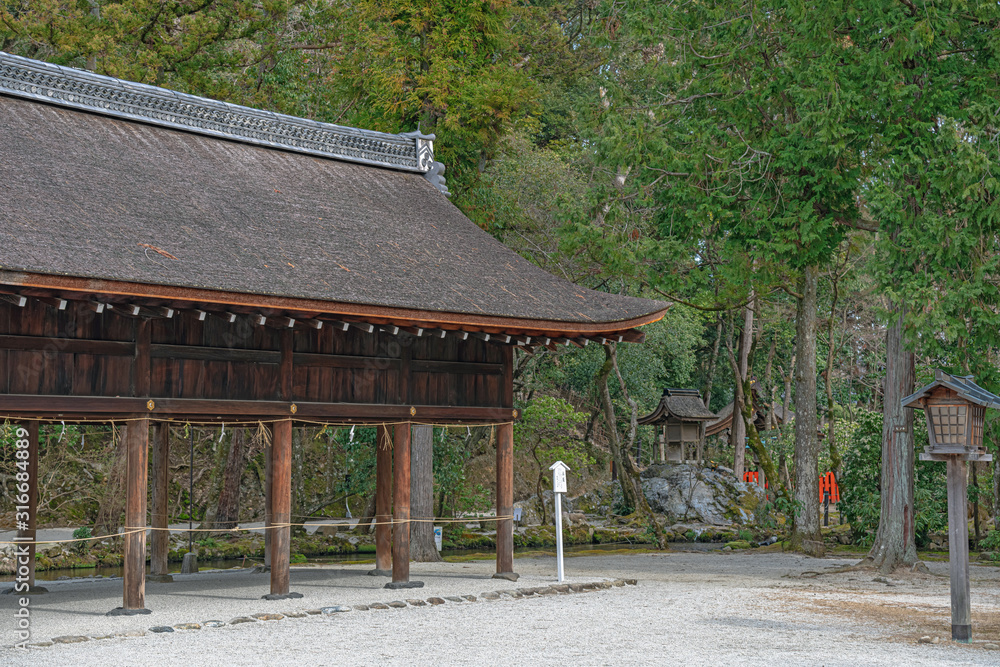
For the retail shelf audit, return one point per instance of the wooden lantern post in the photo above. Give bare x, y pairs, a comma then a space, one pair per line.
954, 407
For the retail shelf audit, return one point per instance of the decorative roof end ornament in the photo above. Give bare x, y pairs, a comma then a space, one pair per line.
433, 171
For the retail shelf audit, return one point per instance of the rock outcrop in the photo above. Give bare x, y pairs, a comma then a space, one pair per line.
688, 493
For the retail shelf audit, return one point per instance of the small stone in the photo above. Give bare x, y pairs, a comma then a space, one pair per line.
212, 624
470, 598
71, 639
924, 640
295, 614
131, 633
631, 582
576, 588
417, 603
435, 601
618, 583
936, 640
161, 628
727, 549
490, 595
564, 588
242, 619
41, 644
590, 586
97, 637
453, 598
268, 617
991, 647
187, 626
604, 585
314, 612
335, 609
378, 605
397, 604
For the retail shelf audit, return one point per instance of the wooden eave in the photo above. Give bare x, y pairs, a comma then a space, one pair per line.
540, 332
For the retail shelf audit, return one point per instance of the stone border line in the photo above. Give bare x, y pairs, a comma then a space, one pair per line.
514, 594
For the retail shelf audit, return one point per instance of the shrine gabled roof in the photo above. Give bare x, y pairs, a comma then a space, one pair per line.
679, 404
104, 190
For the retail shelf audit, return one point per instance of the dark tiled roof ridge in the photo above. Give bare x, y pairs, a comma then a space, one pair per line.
88, 91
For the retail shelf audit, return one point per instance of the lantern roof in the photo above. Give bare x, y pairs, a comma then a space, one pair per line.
960, 384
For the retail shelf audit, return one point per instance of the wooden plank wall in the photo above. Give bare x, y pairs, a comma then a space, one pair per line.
78, 352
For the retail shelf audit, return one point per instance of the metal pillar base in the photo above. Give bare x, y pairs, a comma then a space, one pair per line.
396, 585
509, 576
961, 633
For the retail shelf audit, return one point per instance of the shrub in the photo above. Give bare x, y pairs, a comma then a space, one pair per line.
82, 533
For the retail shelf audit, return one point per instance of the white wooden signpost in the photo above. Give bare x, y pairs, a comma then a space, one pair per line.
558, 488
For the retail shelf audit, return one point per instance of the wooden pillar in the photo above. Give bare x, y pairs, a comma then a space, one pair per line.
383, 502
134, 581
505, 501
29, 432
958, 549
268, 519
281, 509
160, 539
401, 505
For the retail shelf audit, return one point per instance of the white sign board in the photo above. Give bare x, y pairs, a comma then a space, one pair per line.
438, 537
559, 476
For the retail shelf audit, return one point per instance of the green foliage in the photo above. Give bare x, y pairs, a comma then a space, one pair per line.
545, 431
208, 542
860, 484
82, 533
298, 558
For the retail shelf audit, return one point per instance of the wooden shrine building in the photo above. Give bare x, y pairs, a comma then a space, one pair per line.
168, 258
681, 415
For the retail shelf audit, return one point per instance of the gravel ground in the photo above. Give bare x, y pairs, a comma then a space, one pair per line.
688, 608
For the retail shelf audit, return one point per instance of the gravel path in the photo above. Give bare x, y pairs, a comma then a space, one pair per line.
688, 608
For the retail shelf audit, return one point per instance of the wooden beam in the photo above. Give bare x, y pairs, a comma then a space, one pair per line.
32, 282
70, 408
50, 344
159, 514
383, 501
136, 434
505, 499
285, 371
401, 504
268, 488
141, 366
281, 506
958, 549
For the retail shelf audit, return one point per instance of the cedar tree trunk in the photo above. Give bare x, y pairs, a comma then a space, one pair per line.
806, 533
894, 542
422, 547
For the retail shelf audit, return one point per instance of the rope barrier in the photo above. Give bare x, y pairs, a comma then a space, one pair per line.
273, 526
255, 422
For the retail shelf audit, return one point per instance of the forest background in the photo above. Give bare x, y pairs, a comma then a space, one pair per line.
812, 185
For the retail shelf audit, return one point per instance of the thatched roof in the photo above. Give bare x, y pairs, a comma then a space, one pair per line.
678, 405
124, 192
